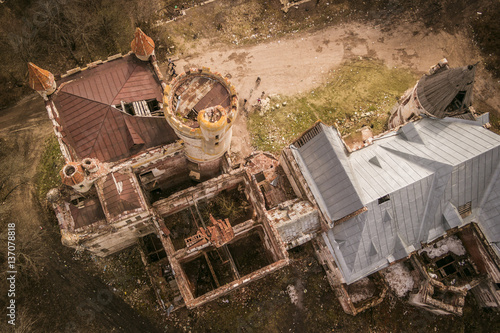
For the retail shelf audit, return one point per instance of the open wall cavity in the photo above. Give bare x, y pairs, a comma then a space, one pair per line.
218, 237
230, 203
214, 267
171, 175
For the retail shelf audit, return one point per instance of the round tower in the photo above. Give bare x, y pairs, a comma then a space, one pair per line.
72, 174
53, 195
201, 106
41, 80
443, 92
142, 45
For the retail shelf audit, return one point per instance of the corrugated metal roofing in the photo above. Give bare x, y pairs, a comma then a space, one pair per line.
419, 182
489, 215
436, 92
96, 129
324, 164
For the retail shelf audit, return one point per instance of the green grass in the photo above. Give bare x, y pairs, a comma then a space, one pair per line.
359, 93
51, 162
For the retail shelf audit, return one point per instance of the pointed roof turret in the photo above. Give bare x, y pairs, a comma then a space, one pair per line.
142, 45
41, 80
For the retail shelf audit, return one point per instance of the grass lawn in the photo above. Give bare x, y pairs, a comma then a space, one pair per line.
51, 163
359, 93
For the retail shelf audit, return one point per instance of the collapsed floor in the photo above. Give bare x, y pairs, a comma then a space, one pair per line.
220, 234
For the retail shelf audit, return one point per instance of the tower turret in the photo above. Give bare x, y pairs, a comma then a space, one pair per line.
201, 106
443, 92
216, 131
41, 80
142, 45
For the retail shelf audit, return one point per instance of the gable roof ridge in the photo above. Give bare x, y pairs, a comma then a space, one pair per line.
136, 137
100, 128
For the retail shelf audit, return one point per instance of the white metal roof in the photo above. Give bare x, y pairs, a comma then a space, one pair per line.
428, 168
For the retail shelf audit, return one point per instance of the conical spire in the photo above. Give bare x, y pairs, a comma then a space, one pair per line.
142, 45
40, 79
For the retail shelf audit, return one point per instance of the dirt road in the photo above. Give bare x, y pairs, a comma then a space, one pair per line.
301, 62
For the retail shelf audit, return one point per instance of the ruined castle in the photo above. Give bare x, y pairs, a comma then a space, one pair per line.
147, 163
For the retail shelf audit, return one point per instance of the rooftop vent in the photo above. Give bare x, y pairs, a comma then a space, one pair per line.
375, 161
409, 133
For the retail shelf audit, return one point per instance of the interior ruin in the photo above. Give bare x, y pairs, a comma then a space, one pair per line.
218, 235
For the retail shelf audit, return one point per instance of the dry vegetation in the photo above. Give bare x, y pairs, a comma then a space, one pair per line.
81, 31
77, 31
53, 284
51, 163
360, 93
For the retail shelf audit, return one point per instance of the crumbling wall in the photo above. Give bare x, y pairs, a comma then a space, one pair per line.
338, 285
118, 237
256, 197
161, 178
436, 297
296, 222
206, 170
480, 251
273, 246
486, 293
204, 191
177, 258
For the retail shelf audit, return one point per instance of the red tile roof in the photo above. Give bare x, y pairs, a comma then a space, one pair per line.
96, 129
127, 79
